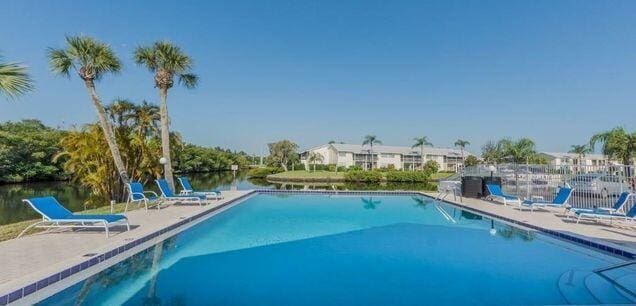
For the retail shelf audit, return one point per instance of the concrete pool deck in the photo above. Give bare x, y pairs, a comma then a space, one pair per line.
34, 257
555, 219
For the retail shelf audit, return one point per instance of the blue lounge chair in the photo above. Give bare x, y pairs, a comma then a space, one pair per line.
497, 194
605, 214
54, 215
614, 212
136, 194
168, 195
561, 200
186, 189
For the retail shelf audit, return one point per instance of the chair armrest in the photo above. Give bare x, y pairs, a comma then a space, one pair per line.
151, 192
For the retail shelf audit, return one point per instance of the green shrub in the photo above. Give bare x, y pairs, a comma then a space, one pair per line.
342, 169
431, 166
298, 166
263, 172
363, 176
354, 168
407, 176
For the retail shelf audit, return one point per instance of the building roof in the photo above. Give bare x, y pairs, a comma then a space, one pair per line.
573, 155
356, 148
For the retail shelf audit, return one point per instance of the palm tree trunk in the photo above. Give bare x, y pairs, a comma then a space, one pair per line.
108, 131
165, 136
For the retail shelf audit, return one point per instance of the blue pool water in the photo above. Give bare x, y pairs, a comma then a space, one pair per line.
350, 250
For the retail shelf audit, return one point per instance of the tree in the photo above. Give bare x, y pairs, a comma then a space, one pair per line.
520, 151
166, 61
580, 150
14, 79
431, 166
617, 144
371, 140
421, 142
462, 145
282, 153
91, 60
491, 152
315, 158
471, 160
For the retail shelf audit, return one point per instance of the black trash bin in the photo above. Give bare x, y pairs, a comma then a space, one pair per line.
472, 186
492, 180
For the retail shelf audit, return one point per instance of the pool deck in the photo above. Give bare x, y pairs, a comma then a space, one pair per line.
622, 237
34, 257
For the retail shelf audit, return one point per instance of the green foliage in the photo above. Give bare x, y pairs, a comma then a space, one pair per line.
407, 176
617, 144
471, 160
89, 57
14, 79
354, 168
282, 154
166, 60
263, 172
26, 151
507, 150
193, 158
363, 176
431, 166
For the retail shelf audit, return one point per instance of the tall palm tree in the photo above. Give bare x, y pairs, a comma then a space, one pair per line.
462, 145
581, 150
166, 61
91, 60
371, 140
14, 79
421, 142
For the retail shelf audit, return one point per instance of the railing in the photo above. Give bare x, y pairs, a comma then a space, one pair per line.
594, 186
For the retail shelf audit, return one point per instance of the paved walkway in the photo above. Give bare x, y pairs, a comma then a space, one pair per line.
555, 219
39, 255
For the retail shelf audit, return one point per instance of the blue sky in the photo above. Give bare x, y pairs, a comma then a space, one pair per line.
314, 71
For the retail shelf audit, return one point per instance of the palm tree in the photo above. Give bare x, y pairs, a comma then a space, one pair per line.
421, 142
371, 140
462, 145
581, 150
617, 144
91, 60
519, 151
314, 158
14, 80
166, 61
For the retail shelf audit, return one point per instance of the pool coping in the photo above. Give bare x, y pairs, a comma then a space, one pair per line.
25, 291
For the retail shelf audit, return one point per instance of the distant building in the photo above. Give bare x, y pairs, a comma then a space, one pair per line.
572, 159
384, 156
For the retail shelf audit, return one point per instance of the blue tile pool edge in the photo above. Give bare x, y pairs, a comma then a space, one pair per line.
18, 294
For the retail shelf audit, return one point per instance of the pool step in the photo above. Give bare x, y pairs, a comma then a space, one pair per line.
572, 287
587, 287
605, 291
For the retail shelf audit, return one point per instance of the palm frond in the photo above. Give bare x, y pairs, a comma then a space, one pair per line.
14, 79
59, 61
189, 80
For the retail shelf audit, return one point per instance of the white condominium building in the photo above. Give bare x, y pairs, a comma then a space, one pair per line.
384, 156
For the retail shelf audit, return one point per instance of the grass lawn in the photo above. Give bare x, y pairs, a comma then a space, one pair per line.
10, 231
302, 175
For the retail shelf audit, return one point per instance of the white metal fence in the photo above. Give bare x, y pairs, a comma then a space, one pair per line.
594, 186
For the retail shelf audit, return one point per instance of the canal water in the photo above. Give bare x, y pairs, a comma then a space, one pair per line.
12, 209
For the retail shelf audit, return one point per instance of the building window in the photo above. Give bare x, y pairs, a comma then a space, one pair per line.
386, 155
342, 154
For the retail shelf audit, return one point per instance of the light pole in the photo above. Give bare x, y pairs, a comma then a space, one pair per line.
163, 161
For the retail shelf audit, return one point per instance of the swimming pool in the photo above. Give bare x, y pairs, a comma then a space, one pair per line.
283, 249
